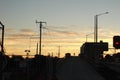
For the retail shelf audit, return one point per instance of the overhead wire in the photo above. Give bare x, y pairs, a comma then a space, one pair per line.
59, 31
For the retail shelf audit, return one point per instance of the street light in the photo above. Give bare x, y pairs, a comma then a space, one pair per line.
88, 35
96, 26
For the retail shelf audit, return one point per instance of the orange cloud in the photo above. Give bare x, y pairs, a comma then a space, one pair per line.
70, 41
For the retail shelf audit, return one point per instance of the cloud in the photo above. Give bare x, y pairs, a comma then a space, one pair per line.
106, 34
23, 33
27, 31
25, 37
7, 30
59, 33
15, 37
56, 36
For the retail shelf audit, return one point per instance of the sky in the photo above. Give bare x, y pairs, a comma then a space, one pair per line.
68, 23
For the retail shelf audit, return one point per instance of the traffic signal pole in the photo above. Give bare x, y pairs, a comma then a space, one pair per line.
116, 42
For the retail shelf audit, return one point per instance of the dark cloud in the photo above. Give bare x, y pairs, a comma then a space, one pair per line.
26, 30
9, 30
13, 34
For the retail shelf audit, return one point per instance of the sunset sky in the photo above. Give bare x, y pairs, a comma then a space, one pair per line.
68, 23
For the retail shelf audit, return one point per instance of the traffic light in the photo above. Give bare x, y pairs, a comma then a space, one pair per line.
116, 42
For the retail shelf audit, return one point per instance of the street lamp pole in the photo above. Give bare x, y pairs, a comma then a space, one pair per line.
96, 26
87, 36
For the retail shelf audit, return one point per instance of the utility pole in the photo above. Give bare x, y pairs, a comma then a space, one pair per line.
37, 49
40, 35
2, 44
58, 51
96, 28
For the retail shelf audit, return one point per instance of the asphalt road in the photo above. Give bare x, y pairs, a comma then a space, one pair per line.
76, 68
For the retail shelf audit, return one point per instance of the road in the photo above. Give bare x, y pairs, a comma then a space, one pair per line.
76, 68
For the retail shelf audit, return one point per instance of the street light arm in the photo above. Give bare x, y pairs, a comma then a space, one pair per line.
89, 34
102, 13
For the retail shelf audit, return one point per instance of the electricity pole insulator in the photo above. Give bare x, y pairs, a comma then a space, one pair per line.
40, 35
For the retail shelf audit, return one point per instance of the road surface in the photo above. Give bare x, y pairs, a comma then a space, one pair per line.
76, 68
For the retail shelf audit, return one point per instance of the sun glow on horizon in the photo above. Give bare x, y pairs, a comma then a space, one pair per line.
27, 39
